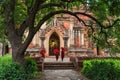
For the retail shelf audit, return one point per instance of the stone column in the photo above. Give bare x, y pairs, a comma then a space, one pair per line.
73, 41
79, 38
82, 38
65, 41
72, 32
42, 41
70, 38
75, 37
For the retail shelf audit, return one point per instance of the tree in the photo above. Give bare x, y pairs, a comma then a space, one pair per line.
19, 15
107, 36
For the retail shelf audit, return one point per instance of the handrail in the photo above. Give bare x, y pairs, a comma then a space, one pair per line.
75, 63
39, 60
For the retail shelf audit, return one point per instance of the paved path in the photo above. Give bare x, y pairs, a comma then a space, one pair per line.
62, 75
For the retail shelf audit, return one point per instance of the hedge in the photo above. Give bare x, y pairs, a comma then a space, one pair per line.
106, 69
14, 71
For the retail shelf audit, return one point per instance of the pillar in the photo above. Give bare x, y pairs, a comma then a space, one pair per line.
82, 38
42, 41
75, 38
65, 41
73, 41
79, 38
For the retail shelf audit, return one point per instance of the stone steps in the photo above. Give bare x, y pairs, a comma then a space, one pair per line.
58, 65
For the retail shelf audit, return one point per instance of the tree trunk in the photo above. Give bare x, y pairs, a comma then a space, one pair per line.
17, 56
13, 36
6, 49
2, 49
98, 51
17, 52
19, 48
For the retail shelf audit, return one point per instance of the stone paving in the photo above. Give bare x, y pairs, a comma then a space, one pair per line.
62, 75
68, 74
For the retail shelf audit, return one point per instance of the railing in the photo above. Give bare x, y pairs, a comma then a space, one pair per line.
75, 63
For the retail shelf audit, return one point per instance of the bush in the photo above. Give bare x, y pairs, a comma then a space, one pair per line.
6, 59
107, 69
30, 67
14, 71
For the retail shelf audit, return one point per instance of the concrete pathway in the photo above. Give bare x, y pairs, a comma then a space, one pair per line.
62, 75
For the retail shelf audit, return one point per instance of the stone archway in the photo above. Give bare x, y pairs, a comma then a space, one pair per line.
54, 40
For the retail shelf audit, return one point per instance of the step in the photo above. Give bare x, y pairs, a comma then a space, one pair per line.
54, 68
58, 65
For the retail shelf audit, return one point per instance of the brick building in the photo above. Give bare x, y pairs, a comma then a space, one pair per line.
64, 31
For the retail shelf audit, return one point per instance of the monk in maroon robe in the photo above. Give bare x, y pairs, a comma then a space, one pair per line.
42, 53
62, 53
56, 53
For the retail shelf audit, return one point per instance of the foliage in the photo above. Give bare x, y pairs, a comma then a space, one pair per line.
106, 35
107, 69
6, 59
106, 7
17, 16
10, 70
30, 68
3, 37
14, 71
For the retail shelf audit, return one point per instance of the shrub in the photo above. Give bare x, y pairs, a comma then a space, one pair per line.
14, 71
30, 67
6, 59
107, 69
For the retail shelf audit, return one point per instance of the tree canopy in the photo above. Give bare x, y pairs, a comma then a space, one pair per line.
18, 15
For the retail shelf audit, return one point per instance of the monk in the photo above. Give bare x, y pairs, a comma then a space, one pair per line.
56, 53
42, 53
62, 53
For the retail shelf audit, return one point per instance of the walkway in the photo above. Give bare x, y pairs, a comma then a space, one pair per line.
61, 74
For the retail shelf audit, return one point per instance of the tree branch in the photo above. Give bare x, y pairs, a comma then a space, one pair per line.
67, 0
51, 5
117, 20
106, 38
23, 26
27, 42
54, 13
91, 17
29, 22
32, 14
9, 18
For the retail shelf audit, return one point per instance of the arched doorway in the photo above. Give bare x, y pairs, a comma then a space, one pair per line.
53, 41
